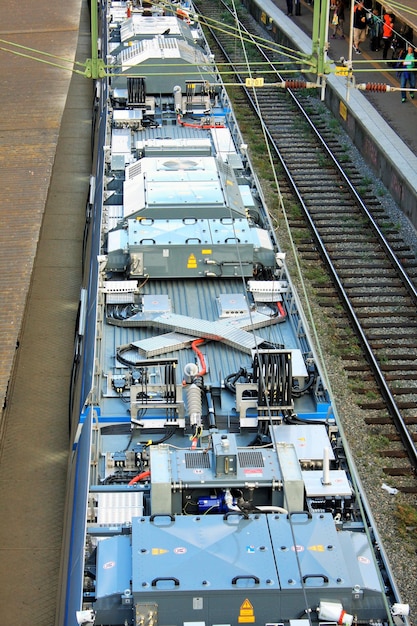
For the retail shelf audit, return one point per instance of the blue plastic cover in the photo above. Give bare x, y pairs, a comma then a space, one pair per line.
114, 566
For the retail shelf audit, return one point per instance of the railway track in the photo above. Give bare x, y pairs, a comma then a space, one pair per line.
343, 225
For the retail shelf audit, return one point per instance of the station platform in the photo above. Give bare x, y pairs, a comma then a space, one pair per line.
45, 166
369, 67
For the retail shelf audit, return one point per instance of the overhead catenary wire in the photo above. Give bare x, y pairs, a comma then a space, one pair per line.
26, 55
293, 54
232, 30
401, 7
41, 56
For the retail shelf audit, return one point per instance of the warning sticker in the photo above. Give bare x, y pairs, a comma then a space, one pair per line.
253, 471
297, 548
192, 262
246, 613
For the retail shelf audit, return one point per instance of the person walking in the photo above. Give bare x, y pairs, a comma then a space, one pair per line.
359, 25
387, 33
338, 20
406, 66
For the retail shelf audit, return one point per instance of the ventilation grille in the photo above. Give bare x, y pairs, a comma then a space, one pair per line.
135, 170
136, 91
251, 458
197, 460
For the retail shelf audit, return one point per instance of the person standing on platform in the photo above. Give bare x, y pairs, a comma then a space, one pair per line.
387, 33
338, 20
407, 71
289, 7
359, 25
375, 30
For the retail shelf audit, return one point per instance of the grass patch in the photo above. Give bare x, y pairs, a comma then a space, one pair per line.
317, 275
378, 442
406, 516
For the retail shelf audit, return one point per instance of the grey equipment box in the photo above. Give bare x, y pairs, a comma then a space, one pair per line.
233, 569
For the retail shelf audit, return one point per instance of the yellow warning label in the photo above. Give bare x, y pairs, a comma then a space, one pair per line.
208, 251
318, 548
159, 551
342, 70
192, 262
246, 614
254, 82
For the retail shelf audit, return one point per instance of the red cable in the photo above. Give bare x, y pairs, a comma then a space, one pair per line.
200, 356
139, 477
281, 309
200, 126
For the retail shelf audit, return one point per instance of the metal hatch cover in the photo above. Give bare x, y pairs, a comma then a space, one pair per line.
235, 552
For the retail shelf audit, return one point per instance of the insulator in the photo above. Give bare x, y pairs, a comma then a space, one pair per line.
177, 99
373, 87
326, 470
190, 370
194, 404
295, 84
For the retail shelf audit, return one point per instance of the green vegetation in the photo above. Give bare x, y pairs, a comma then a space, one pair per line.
298, 236
227, 18
293, 210
258, 147
372, 395
390, 226
322, 161
317, 275
406, 516
378, 442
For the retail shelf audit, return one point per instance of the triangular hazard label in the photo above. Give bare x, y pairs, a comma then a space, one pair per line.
246, 614
192, 262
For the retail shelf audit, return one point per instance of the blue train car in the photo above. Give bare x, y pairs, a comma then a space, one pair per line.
208, 482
